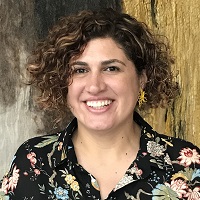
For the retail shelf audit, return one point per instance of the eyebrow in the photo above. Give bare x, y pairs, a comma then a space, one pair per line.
106, 62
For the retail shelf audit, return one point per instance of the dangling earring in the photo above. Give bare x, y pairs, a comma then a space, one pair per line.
142, 99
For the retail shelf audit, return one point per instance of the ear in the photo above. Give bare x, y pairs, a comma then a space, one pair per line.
143, 79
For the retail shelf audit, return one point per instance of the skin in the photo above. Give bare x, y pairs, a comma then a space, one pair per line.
104, 73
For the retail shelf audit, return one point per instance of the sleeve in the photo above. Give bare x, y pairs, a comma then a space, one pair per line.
18, 183
187, 162
10, 181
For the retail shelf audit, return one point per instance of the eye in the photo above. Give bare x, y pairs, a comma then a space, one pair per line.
112, 69
80, 71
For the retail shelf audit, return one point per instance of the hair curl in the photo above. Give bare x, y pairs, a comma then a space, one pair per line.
50, 70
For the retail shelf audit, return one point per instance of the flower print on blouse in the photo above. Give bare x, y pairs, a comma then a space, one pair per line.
46, 167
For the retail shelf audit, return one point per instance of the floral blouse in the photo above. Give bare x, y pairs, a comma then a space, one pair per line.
46, 168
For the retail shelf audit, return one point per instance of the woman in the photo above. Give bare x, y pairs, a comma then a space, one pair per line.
103, 66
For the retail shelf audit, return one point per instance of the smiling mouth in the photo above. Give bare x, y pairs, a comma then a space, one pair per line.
98, 104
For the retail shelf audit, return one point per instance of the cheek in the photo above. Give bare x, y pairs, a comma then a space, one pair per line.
130, 91
70, 94
74, 91
129, 86
71, 99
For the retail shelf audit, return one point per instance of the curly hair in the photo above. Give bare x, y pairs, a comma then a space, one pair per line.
49, 64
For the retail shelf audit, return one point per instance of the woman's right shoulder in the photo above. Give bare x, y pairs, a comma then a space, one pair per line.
34, 156
40, 144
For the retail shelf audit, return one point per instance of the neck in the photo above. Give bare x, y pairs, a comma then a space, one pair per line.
119, 141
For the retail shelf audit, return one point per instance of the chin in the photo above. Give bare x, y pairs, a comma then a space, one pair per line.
98, 126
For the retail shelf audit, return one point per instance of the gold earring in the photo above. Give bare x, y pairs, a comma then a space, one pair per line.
142, 99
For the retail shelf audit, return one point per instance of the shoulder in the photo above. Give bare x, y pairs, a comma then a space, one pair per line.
33, 157
39, 143
46, 150
34, 152
175, 145
34, 163
180, 151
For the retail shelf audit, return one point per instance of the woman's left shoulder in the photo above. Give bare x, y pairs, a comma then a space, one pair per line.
180, 150
176, 143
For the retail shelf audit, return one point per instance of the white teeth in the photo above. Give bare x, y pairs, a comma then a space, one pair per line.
98, 104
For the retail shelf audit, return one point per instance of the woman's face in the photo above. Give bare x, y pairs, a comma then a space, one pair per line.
105, 86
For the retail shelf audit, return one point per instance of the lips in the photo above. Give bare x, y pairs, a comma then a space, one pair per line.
98, 104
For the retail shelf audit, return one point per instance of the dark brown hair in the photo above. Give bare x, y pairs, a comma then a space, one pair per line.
49, 63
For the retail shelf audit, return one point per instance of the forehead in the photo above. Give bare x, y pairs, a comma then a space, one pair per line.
102, 48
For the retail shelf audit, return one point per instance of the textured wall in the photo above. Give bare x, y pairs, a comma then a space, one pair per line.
22, 23
180, 22
17, 121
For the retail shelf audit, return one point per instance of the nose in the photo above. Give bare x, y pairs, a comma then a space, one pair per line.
95, 83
